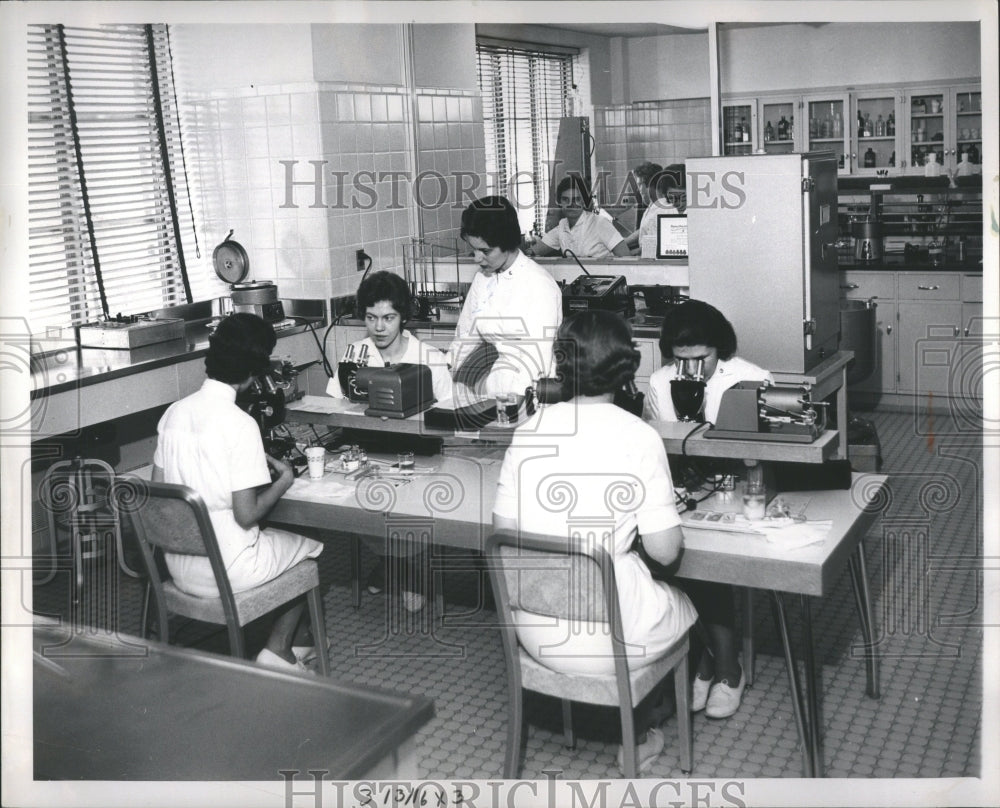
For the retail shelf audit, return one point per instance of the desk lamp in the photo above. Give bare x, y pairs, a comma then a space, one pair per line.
687, 389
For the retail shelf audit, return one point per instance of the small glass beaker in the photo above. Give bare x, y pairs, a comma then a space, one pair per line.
754, 493
506, 408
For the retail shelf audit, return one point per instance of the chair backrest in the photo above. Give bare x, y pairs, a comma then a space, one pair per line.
567, 577
172, 518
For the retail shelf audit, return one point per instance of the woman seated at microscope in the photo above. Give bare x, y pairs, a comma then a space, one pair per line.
697, 337
595, 357
386, 303
206, 442
579, 231
662, 193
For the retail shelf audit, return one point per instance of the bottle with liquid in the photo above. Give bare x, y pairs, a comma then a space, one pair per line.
814, 130
869, 128
768, 132
838, 124
890, 125
861, 124
869, 158
754, 493
880, 127
783, 129
746, 130
738, 131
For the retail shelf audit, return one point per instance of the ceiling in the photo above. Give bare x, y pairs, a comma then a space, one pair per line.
625, 29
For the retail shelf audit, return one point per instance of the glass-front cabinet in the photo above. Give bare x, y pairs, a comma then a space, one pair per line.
967, 113
777, 129
876, 148
826, 126
929, 111
739, 122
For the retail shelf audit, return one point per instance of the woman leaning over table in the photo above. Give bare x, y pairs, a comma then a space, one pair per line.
596, 447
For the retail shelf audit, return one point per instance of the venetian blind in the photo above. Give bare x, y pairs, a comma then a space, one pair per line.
525, 92
107, 193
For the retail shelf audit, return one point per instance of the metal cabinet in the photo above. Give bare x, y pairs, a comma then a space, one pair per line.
880, 286
946, 120
876, 138
930, 318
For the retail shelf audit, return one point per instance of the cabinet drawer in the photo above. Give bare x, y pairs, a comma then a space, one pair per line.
929, 286
972, 288
863, 285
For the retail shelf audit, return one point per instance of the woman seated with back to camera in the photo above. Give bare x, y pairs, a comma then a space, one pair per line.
206, 442
595, 446
694, 330
579, 231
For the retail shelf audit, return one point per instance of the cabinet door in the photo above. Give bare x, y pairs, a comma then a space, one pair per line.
739, 123
829, 111
875, 150
927, 128
776, 132
881, 287
967, 115
927, 341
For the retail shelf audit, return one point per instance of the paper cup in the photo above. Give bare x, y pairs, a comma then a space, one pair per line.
316, 455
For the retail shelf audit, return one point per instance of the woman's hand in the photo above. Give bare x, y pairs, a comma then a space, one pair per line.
283, 473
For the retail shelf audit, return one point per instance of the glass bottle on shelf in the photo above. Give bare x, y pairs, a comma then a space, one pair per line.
814, 127
782, 129
791, 127
838, 124
768, 132
737, 132
892, 159
869, 130
869, 158
890, 125
880, 127
746, 130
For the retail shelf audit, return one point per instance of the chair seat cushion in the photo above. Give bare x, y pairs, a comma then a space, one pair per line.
250, 604
599, 689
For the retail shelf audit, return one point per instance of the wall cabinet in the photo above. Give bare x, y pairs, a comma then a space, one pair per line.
876, 131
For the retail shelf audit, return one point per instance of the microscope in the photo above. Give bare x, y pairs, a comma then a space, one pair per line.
265, 400
687, 389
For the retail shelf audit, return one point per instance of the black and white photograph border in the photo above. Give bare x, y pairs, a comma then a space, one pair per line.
933, 558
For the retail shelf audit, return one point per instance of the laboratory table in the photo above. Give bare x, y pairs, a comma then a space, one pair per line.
448, 502
113, 707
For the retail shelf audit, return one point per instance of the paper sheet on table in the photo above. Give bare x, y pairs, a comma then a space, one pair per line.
325, 488
794, 535
327, 405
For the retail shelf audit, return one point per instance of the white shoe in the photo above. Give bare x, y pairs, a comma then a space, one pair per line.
724, 700
307, 653
268, 659
645, 753
413, 601
699, 693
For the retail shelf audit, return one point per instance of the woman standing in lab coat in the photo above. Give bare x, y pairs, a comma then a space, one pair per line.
503, 340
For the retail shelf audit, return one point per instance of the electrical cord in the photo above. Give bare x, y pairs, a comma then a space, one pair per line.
569, 253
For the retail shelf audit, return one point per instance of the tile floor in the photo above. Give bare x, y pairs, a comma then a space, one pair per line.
922, 557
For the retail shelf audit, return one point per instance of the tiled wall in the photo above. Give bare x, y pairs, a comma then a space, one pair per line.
352, 137
661, 132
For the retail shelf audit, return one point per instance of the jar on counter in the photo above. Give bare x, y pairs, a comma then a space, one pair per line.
870, 158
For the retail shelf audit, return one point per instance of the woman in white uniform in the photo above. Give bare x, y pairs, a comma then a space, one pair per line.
209, 444
695, 330
387, 304
622, 484
663, 193
580, 231
503, 340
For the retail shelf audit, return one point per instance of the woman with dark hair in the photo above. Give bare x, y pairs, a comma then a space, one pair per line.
385, 302
209, 444
503, 340
695, 330
580, 231
622, 483
663, 193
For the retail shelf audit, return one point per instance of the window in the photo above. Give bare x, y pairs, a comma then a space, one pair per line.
107, 193
525, 92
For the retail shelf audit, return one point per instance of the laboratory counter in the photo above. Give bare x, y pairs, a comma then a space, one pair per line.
64, 365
